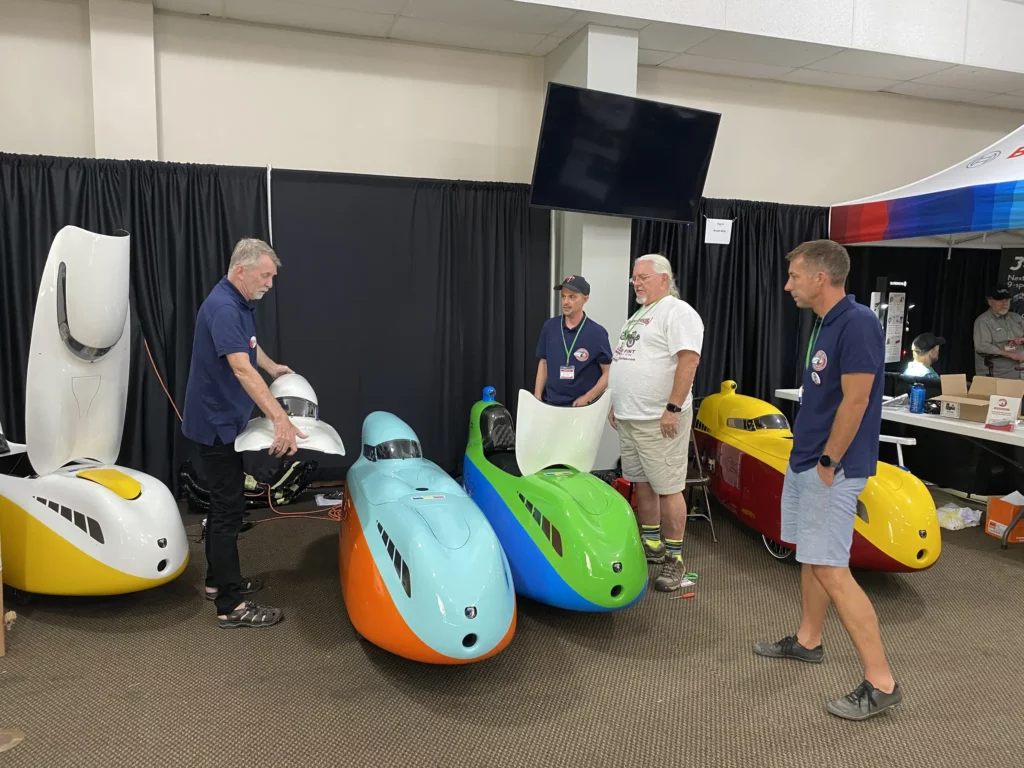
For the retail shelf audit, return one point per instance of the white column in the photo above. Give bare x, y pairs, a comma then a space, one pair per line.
123, 79
597, 247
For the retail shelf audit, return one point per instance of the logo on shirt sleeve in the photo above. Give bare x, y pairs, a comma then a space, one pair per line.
252, 343
819, 361
582, 355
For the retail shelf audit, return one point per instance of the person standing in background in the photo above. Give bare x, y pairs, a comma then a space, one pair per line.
574, 351
652, 372
998, 337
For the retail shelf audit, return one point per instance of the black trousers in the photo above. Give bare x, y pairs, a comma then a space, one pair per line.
224, 472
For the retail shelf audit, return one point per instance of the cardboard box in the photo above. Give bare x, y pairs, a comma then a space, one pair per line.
959, 402
1001, 512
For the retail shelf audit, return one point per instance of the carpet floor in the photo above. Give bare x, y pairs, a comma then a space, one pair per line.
150, 680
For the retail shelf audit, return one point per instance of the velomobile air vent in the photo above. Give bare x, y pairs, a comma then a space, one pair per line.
87, 524
550, 532
396, 557
700, 426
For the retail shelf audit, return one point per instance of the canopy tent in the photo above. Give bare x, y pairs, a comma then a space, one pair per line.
978, 203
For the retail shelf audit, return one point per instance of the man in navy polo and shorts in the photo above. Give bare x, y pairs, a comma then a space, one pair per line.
835, 450
574, 351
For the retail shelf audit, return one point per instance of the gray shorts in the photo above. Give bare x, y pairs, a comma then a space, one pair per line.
819, 519
650, 457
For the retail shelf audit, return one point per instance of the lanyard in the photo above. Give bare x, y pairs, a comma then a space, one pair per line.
630, 326
568, 350
810, 344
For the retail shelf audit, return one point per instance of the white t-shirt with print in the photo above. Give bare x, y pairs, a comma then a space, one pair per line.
644, 359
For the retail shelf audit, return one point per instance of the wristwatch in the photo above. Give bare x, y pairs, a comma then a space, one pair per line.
826, 461
673, 408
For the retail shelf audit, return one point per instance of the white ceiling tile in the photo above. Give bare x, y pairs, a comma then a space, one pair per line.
672, 37
884, 65
490, 14
547, 45
370, 6
994, 33
834, 80
1005, 101
932, 29
198, 7
761, 50
437, 33
936, 92
725, 67
307, 16
976, 79
646, 58
580, 19
816, 21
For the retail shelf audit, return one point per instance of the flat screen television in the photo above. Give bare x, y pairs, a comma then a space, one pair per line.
621, 156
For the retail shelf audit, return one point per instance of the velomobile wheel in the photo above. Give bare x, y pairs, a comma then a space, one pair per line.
776, 550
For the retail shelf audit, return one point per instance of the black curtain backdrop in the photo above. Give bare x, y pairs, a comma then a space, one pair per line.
947, 289
753, 332
408, 296
183, 220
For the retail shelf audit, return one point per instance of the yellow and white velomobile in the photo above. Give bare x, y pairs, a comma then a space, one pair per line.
745, 443
72, 522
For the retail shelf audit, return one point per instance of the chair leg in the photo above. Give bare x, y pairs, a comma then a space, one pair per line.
704, 487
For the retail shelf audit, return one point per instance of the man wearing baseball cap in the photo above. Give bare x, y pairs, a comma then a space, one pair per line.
574, 351
926, 353
998, 337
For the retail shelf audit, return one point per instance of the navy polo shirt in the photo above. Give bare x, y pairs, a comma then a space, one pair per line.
850, 340
216, 403
591, 350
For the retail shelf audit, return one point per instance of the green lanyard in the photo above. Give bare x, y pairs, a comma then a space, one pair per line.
810, 344
568, 350
630, 326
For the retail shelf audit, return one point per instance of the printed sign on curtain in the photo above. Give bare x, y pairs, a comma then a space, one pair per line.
1011, 274
894, 327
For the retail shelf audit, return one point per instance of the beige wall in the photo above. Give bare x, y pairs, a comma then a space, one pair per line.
234, 93
821, 146
239, 94
45, 78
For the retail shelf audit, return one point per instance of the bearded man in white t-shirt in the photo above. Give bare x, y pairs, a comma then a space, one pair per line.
653, 364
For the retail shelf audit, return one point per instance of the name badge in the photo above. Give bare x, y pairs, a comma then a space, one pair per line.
567, 372
800, 395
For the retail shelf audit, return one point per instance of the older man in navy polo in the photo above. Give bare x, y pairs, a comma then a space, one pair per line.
574, 351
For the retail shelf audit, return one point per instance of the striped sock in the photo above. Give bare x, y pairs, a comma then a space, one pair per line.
651, 535
674, 549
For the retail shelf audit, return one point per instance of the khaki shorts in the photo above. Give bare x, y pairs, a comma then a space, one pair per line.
648, 457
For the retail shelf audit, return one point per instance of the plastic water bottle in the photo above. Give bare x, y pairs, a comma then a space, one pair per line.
917, 398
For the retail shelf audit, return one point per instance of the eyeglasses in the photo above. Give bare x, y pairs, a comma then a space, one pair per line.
640, 278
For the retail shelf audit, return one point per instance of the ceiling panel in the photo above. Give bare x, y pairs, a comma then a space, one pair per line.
437, 33
580, 19
547, 45
370, 6
497, 15
932, 29
201, 7
672, 37
725, 67
819, 21
646, 58
834, 80
307, 16
884, 65
994, 34
937, 92
762, 50
975, 78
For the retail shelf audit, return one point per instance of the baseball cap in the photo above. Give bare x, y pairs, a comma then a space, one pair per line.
926, 341
576, 283
998, 292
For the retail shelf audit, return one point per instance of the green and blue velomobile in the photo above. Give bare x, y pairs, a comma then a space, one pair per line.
572, 541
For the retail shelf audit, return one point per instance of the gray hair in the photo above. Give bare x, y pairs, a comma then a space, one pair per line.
661, 266
248, 251
825, 256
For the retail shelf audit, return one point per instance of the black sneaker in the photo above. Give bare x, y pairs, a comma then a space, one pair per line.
251, 615
865, 701
790, 648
